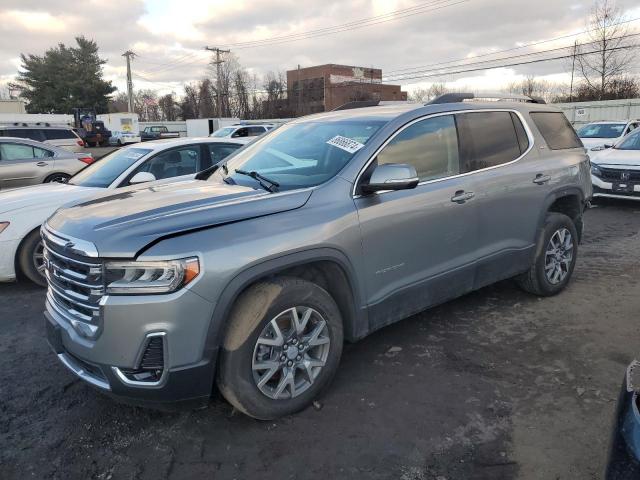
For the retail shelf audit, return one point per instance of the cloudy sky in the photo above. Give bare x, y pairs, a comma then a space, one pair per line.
169, 35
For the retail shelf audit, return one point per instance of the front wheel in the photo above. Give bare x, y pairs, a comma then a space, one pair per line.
282, 347
556, 254
31, 258
57, 177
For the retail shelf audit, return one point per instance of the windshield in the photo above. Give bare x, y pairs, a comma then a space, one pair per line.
601, 130
299, 155
223, 132
103, 172
630, 142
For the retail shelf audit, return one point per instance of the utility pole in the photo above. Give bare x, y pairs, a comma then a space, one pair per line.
573, 67
218, 62
128, 54
299, 93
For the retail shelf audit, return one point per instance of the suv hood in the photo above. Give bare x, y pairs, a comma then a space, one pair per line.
590, 143
122, 224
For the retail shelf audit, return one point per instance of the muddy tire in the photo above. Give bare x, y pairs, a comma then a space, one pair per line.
30, 258
555, 257
281, 349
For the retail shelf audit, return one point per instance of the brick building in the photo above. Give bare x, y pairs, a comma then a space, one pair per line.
325, 87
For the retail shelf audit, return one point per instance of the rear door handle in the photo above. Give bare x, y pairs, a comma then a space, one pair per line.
541, 179
461, 196
42, 164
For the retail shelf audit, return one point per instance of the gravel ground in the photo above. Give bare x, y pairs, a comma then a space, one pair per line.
495, 385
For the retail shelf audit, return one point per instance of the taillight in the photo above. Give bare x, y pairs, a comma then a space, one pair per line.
87, 160
80, 143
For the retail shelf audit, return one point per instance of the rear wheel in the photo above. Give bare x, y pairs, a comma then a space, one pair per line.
31, 258
282, 348
57, 177
556, 254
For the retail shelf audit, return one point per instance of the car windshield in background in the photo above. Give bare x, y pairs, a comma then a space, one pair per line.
630, 142
103, 172
301, 154
601, 130
223, 132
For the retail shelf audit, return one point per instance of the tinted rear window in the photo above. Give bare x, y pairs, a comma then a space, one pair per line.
556, 130
59, 134
487, 139
30, 133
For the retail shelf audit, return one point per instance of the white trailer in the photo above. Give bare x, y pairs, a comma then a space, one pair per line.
53, 119
124, 127
202, 127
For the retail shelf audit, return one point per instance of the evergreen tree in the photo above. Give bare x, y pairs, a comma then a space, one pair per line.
65, 78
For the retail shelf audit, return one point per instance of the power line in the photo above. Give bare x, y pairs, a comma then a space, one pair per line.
399, 14
561, 57
401, 77
508, 49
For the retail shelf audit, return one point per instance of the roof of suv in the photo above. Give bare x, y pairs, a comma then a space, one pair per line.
389, 112
31, 127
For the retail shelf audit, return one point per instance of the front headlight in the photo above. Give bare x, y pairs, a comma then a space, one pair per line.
595, 170
131, 278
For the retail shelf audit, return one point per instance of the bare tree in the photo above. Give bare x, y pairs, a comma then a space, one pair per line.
422, 95
532, 87
168, 107
190, 103
612, 54
206, 96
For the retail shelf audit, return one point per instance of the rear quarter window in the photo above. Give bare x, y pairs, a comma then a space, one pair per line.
556, 130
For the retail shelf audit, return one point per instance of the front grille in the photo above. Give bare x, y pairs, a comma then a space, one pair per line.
615, 175
75, 287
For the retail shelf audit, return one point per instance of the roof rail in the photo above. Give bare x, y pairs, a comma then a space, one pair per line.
460, 97
357, 104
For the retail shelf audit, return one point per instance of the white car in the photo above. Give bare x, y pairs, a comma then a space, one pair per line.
124, 138
242, 131
23, 210
597, 136
615, 172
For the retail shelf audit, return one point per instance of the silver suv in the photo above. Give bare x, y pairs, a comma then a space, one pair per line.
326, 229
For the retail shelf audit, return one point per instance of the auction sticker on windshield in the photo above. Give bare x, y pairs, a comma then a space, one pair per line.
346, 144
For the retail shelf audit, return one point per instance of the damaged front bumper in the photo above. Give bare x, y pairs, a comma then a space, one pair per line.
624, 451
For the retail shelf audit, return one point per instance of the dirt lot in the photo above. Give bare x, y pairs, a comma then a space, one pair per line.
495, 385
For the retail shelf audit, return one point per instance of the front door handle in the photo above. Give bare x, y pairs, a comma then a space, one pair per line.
42, 164
541, 179
461, 196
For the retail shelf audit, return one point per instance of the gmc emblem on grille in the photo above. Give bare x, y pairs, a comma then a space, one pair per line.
625, 176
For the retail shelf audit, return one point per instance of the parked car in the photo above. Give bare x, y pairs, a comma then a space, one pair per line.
600, 135
156, 133
253, 277
63, 137
242, 130
22, 211
26, 162
615, 172
624, 449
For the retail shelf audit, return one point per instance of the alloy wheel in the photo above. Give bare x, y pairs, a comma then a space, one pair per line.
290, 353
558, 256
38, 258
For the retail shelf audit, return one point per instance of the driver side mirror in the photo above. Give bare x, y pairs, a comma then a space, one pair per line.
142, 177
391, 176
608, 145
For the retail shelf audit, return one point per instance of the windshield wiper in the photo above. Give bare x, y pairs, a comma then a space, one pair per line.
270, 186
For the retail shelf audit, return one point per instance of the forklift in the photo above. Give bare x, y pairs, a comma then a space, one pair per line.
92, 131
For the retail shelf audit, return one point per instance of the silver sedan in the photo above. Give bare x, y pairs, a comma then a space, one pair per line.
27, 162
